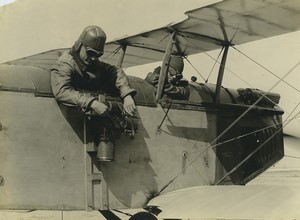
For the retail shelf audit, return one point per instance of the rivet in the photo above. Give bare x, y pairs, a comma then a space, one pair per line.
184, 154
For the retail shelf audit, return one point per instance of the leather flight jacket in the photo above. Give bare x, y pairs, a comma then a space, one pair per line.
73, 85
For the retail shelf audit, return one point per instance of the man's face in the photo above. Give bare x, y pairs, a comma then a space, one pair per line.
89, 56
174, 75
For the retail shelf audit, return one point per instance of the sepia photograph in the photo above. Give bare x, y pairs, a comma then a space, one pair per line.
149, 110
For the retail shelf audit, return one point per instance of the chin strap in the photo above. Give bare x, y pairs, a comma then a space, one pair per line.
74, 53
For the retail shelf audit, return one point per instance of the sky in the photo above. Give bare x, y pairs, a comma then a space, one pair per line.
29, 27
6, 2
33, 26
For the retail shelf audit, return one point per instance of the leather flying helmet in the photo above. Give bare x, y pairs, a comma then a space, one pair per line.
92, 38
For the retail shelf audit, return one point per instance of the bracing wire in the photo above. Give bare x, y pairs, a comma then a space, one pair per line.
216, 145
194, 68
292, 157
269, 71
253, 105
203, 51
199, 174
263, 95
212, 144
164, 118
219, 144
112, 53
146, 51
292, 113
243, 135
287, 120
216, 61
260, 92
252, 153
285, 123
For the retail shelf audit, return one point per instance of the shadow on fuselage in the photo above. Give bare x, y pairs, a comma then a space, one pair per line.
130, 178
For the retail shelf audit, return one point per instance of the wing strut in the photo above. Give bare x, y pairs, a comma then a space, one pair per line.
165, 67
122, 55
221, 74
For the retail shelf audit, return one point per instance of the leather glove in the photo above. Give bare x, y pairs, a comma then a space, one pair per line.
129, 105
99, 108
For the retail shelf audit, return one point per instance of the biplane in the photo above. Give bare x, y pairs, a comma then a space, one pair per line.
54, 157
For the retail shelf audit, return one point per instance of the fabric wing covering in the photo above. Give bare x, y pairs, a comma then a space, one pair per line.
208, 28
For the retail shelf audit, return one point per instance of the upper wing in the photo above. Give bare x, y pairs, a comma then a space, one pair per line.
43, 60
207, 28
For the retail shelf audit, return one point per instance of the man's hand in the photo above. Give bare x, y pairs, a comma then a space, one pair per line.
99, 108
129, 105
